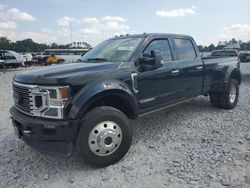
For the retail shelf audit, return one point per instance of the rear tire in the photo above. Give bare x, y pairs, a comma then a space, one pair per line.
105, 136
226, 99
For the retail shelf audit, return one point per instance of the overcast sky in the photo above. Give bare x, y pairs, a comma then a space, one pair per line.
94, 20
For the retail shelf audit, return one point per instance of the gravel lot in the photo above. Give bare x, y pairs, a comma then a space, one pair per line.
190, 145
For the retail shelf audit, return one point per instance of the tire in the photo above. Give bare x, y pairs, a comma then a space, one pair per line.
215, 98
88, 141
226, 99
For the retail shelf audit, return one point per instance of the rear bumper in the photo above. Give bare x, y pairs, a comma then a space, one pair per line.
46, 135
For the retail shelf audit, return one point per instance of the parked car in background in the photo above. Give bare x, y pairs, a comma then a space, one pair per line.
39, 54
225, 53
2, 64
39, 58
11, 58
245, 57
2, 59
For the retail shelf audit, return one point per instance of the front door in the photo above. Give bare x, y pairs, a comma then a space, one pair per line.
158, 87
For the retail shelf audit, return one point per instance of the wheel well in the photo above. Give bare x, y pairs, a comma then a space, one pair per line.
236, 75
117, 102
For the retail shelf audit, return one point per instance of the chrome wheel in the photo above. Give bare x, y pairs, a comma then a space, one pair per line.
105, 138
232, 94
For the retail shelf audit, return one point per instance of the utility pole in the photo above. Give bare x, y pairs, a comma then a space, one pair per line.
70, 29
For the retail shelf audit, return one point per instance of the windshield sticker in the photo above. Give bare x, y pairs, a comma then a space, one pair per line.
126, 48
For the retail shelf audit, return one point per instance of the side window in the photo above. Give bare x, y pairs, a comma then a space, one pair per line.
9, 56
162, 46
185, 49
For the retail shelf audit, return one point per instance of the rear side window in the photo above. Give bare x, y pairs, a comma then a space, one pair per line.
185, 49
161, 45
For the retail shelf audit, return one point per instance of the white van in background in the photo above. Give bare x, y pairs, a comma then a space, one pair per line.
11, 58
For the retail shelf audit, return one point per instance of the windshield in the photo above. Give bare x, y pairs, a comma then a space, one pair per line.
113, 50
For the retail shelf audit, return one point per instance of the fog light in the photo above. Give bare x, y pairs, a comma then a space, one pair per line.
51, 112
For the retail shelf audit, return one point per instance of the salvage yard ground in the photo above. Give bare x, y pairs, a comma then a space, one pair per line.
190, 145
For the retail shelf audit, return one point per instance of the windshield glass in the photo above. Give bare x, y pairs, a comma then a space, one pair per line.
113, 50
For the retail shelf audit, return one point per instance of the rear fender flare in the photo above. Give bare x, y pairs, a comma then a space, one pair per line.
234, 73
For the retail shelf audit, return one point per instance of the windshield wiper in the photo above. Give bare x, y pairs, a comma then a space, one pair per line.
97, 59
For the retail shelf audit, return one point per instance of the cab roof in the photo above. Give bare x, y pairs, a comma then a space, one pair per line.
152, 35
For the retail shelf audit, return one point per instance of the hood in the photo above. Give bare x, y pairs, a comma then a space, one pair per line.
63, 74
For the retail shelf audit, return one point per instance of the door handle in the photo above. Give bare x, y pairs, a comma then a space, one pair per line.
199, 68
134, 82
175, 71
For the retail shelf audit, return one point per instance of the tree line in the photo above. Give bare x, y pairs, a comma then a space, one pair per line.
222, 44
28, 45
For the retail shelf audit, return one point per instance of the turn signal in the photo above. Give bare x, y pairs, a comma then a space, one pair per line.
64, 92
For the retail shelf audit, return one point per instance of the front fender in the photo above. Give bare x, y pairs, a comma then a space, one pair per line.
90, 93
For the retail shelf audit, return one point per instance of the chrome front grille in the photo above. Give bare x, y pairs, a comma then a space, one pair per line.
22, 98
30, 99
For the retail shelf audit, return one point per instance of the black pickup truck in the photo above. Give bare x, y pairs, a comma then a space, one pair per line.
87, 105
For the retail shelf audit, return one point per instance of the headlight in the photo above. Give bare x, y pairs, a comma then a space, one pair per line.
49, 102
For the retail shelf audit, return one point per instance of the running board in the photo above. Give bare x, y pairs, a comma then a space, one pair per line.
162, 108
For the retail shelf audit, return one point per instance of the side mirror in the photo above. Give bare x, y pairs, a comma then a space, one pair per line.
150, 62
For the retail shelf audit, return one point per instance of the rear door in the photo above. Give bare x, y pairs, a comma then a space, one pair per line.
191, 67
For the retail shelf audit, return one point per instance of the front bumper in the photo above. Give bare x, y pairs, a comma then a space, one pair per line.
46, 135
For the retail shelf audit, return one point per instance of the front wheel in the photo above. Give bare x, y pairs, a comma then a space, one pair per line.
105, 136
226, 99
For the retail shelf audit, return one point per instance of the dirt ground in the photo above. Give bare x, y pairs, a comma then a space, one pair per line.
189, 145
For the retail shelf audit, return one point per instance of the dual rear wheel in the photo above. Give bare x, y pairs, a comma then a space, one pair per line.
226, 99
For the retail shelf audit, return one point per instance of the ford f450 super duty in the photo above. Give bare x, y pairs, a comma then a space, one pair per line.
87, 105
